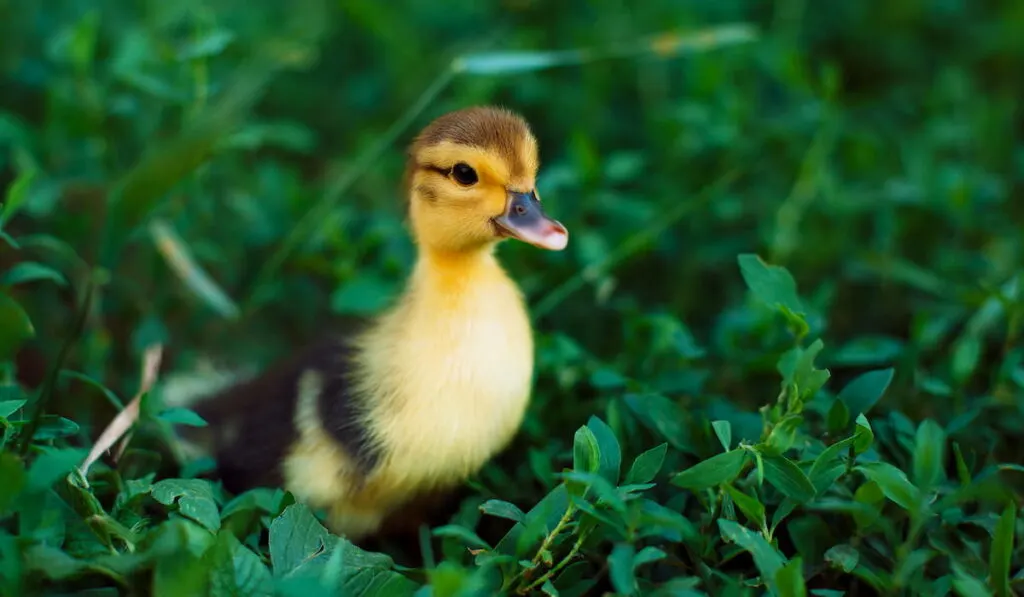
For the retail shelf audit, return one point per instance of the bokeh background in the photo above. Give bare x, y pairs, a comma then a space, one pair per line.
228, 174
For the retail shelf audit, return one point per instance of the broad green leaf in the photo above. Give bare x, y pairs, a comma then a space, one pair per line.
657, 520
865, 390
9, 407
30, 271
179, 258
502, 509
843, 556
751, 507
647, 465
296, 536
194, 498
893, 483
787, 477
52, 465
586, 455
1002, 551
823, 463
648, 555
929, 455
620, 569
767, 559
720, 468
789, 580
608, 449
863, 436
723, 429
237, 571
181, 416
771, 284
15, 326
966, 585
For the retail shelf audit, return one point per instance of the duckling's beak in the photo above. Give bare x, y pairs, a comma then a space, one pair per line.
525, 220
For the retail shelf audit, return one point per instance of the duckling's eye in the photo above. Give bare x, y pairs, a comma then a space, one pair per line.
464, 174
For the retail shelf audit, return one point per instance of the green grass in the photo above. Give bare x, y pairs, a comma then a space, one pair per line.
782, 354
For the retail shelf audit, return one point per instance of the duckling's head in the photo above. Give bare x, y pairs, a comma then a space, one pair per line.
471, 180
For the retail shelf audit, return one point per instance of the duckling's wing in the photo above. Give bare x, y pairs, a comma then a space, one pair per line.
252, 425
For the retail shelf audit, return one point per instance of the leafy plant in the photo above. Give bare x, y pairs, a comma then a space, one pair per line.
781, 355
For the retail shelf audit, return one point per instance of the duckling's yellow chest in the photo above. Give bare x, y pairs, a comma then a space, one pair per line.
458, 384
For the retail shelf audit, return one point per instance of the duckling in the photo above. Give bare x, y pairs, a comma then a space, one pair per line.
421, 396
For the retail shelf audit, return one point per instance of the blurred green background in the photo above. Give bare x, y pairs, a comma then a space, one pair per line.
228, 173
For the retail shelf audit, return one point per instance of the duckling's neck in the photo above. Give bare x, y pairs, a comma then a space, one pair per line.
456, 273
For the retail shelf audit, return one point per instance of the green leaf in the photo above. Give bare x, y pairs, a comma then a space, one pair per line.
783, 435
771, 284
181, 416
863, 436
9, 407
15, 326
647, 465
787, 477
962, 472
767, 559
502, 510
586, 454
751, 507
194, 498
648, 555
1002, 551
109, 395
966, 354
838, 416
790, 579
296, 536
237, 571
608, 449
466, 536
843, 557
967, 585
52, 465
620, 569
12, 480
30, 271
17, 193
825, 461
893, 483
929, 455
723, 429
720, 468
662, 416
865, 390
797, 367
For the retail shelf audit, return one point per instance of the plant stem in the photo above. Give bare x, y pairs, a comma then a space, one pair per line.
557, 567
